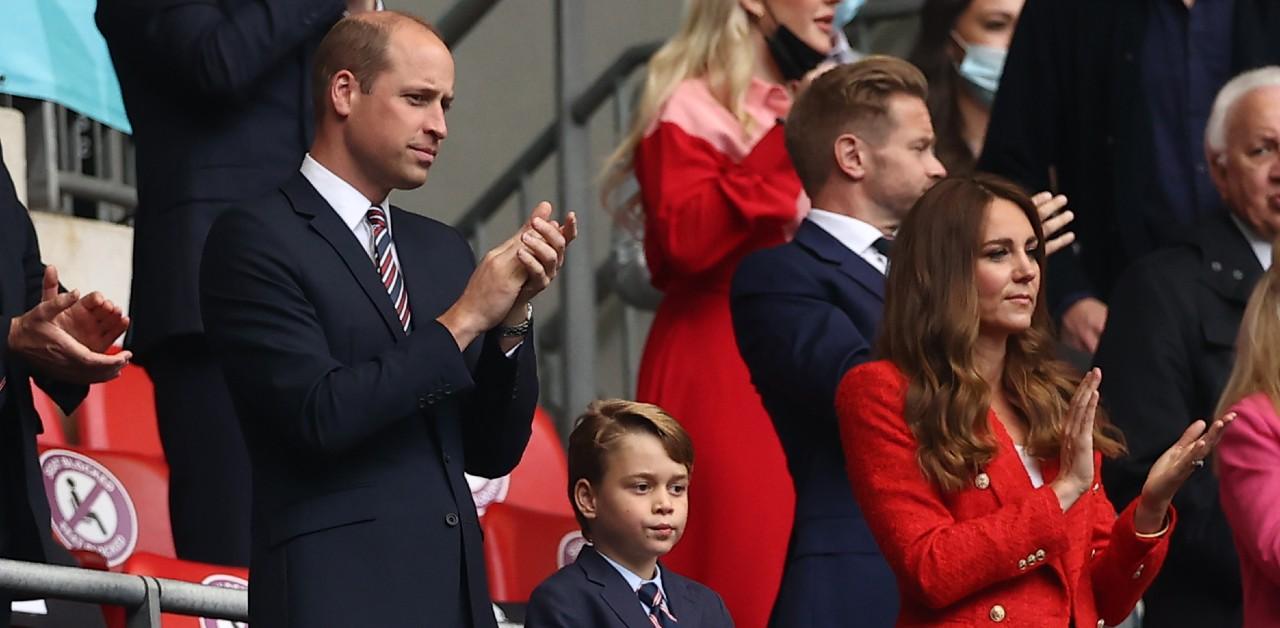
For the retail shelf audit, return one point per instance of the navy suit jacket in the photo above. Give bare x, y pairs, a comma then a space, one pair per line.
21, 486
804, 314
358, 433
219, 96
590, 592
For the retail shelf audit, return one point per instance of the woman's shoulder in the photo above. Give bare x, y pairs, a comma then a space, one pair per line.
1258, 408
880, 378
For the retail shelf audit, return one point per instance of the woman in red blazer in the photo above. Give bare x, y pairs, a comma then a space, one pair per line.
987, 500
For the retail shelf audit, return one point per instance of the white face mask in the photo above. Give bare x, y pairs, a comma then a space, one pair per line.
981, 68
846, 11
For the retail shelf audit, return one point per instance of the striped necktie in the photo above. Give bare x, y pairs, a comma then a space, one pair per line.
659, 616
384, 257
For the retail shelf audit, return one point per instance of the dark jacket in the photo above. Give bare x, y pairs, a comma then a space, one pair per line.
219, 96
590, 592
804, 314
358, 433
1165, 356
1071, 111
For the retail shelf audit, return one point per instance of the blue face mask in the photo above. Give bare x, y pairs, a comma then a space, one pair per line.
846, 11
981, 69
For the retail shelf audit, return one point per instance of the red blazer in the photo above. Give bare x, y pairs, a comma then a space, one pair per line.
998, 550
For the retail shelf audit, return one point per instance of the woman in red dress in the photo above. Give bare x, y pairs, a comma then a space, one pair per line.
715, 182
975, 454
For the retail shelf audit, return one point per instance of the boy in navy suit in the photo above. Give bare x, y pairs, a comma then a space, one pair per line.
629, 467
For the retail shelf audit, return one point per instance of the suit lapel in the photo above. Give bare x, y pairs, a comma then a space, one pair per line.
614, 590
308, 202
827, 248
680, 599
427, 297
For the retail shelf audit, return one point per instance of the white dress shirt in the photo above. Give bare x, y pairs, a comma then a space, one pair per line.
854, 234
350, 205
635, 582
1261, 248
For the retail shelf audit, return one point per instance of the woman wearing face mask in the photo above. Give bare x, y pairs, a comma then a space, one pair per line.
975, 454
961, 50
715, 184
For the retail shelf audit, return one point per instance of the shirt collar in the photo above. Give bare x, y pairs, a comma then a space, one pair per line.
856, 235
634, 581
1261, 248
348, 202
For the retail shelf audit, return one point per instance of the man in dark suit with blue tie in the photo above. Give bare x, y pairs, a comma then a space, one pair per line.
219, 96
54, 341
806, 312
370, 360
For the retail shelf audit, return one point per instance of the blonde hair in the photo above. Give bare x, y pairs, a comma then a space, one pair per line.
1257, 367
714, 44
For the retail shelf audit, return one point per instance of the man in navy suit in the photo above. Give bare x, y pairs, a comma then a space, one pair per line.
806, 312
370, 360
218, 93
54, 340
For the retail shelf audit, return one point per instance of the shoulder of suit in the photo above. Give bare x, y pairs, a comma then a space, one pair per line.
781, 260
425, 226
880, 377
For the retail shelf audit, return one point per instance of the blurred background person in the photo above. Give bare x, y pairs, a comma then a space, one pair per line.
1106, 101
1248, 463
1170, 343
219, 95
961, 50
715, 184
974, 453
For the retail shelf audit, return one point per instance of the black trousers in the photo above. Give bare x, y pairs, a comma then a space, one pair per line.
209, 476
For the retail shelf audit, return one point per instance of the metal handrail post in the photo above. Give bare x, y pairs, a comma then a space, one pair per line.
146, 614
578, 291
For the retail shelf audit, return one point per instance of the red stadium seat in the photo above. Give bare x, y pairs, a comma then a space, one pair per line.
50, 417
120, 415
147, 564
113, 503
522, 547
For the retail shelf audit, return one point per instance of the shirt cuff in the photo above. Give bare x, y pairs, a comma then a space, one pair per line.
512, 353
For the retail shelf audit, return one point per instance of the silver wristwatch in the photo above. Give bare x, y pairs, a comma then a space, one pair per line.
522, 329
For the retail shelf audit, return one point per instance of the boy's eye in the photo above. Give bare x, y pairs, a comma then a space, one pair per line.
678, 489
641, 487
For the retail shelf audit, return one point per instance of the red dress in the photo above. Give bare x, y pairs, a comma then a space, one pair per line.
713, 193
998, 550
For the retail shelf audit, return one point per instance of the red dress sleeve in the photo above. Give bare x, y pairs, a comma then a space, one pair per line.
1122, 563
701, 207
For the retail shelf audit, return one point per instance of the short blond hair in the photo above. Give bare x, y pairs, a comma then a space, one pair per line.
599, 431
851, 98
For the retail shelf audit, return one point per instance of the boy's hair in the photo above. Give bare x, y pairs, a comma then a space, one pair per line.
603, 425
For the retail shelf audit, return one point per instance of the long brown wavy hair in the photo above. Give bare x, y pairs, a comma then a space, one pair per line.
931, 327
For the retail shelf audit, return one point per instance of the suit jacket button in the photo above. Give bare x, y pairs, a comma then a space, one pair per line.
422, 403
1022, 564
982, 481
1039, 554
1031, 559
997, 613
1101, 623
451, 519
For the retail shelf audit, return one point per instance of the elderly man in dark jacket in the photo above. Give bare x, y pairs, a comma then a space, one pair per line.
1169, 346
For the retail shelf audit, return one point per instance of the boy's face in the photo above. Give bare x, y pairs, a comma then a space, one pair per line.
638, 511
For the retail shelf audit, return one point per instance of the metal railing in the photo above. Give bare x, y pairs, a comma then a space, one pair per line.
609, 87
143, 597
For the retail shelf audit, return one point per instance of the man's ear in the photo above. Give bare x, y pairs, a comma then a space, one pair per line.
344, 89
851, 156
584, 497
1217, 162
